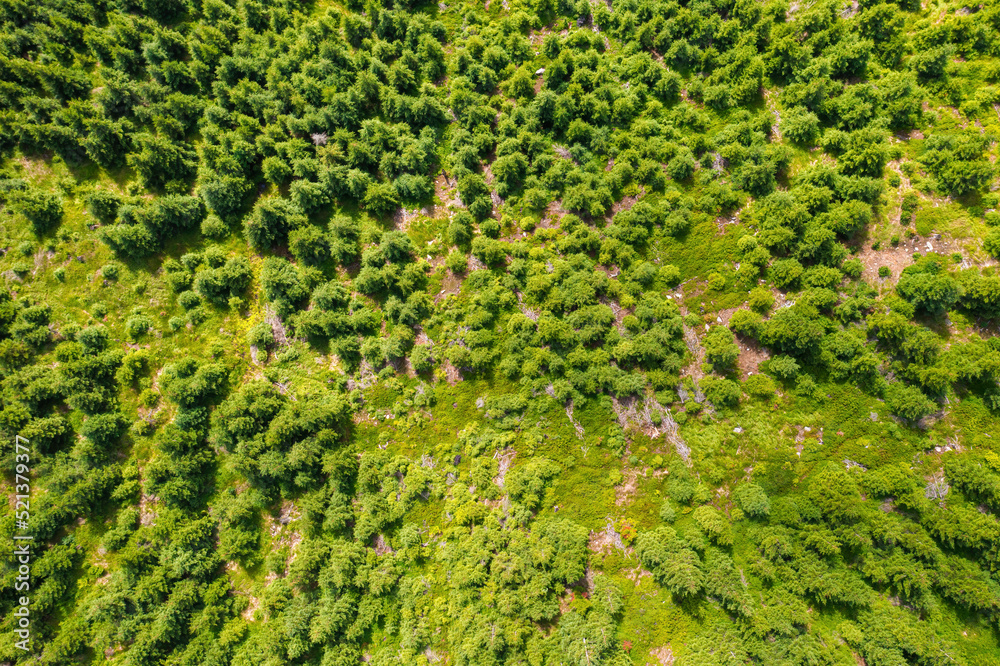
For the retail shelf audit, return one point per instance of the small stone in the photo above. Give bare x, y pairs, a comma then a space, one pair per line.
808, 429
738, 430
873, 416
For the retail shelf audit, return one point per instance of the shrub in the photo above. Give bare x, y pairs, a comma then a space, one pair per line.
43, 210
800, 125
103, 205
136, 326
761, 300
752, 499
992, 243
909, 402
670, 275
909, 207
457, 262
760, 386
421, 358
213, 227
270, 222
722, 392
188, 300
260, 335
109, 271
720, 347
746, 323
852, 268
783, 367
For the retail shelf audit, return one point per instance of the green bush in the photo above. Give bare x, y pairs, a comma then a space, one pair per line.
137, 326
457, 262
722, 392
760, 386
43, 210
110, 271
800, 125
761, 300
260, 335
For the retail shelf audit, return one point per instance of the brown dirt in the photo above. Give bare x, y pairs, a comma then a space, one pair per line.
451, 284
626, 490
553, 213
576, 424
607, 541
899, 257
35, 167
147, 509
505, 459
637, 574
403, 217
452, 374
618, 310
663, 655
750, 358
497, 201
380, 545
252, 607
625, 204
446, 190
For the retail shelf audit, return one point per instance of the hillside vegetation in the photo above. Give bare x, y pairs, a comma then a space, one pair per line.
536, 332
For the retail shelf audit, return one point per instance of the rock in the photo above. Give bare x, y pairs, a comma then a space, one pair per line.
873, 416
539, 71
738, 430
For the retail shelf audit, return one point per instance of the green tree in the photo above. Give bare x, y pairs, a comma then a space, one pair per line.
271, 221
720, 347
672, 562
43, 210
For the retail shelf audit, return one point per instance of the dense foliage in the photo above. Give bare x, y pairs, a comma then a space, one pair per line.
538, 333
